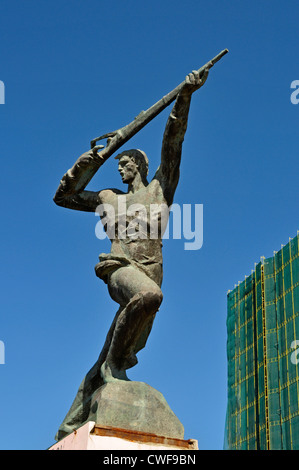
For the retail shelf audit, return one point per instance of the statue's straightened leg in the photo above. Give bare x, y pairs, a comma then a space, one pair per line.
80, 408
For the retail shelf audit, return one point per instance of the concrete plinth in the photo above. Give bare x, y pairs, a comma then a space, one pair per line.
91, 436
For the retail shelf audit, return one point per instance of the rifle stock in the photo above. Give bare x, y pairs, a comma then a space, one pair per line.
122, 135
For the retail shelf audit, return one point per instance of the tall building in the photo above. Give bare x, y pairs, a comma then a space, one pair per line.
263, 362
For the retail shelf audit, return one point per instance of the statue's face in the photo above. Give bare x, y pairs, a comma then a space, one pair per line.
127, 169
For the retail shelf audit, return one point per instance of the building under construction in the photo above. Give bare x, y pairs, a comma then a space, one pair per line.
262, 337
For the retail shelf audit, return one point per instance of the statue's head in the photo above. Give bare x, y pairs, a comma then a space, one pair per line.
132, 162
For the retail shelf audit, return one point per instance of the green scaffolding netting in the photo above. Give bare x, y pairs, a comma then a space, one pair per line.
262, 330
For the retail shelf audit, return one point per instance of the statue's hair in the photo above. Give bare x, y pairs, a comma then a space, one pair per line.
139, 157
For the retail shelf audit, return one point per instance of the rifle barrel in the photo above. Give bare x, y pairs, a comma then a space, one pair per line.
125, 133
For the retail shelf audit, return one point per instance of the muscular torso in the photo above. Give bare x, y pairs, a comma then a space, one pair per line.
135, 227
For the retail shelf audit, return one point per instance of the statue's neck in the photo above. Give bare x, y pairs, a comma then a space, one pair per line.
137, 184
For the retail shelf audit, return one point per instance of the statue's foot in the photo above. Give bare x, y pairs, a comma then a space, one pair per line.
110, 373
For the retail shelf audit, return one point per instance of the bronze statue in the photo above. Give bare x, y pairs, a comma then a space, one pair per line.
133, 268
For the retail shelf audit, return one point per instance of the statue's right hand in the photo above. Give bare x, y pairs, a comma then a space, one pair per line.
195, 80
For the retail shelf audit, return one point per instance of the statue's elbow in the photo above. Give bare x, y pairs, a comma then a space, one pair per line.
59, 201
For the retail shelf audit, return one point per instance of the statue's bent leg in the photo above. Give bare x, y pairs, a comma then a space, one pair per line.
140, 298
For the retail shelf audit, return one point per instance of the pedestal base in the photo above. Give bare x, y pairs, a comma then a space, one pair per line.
91, 436
135, 406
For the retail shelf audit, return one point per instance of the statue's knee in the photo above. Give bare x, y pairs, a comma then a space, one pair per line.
152, 300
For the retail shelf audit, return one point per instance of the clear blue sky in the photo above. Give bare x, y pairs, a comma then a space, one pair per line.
76, 69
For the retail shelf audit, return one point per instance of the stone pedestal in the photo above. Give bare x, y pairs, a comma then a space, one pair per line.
91, 436
134, 406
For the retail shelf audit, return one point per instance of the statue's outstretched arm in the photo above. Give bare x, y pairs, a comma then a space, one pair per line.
71, 191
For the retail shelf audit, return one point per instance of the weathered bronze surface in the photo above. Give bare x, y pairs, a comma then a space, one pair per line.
133, 268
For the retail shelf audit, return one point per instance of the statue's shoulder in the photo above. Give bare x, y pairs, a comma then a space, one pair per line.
155, 184
106, 195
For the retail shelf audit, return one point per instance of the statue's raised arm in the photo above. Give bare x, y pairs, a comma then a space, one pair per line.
168, 172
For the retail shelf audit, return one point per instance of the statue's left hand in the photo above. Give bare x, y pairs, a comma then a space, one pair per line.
96, 148
95, 152
92, 155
